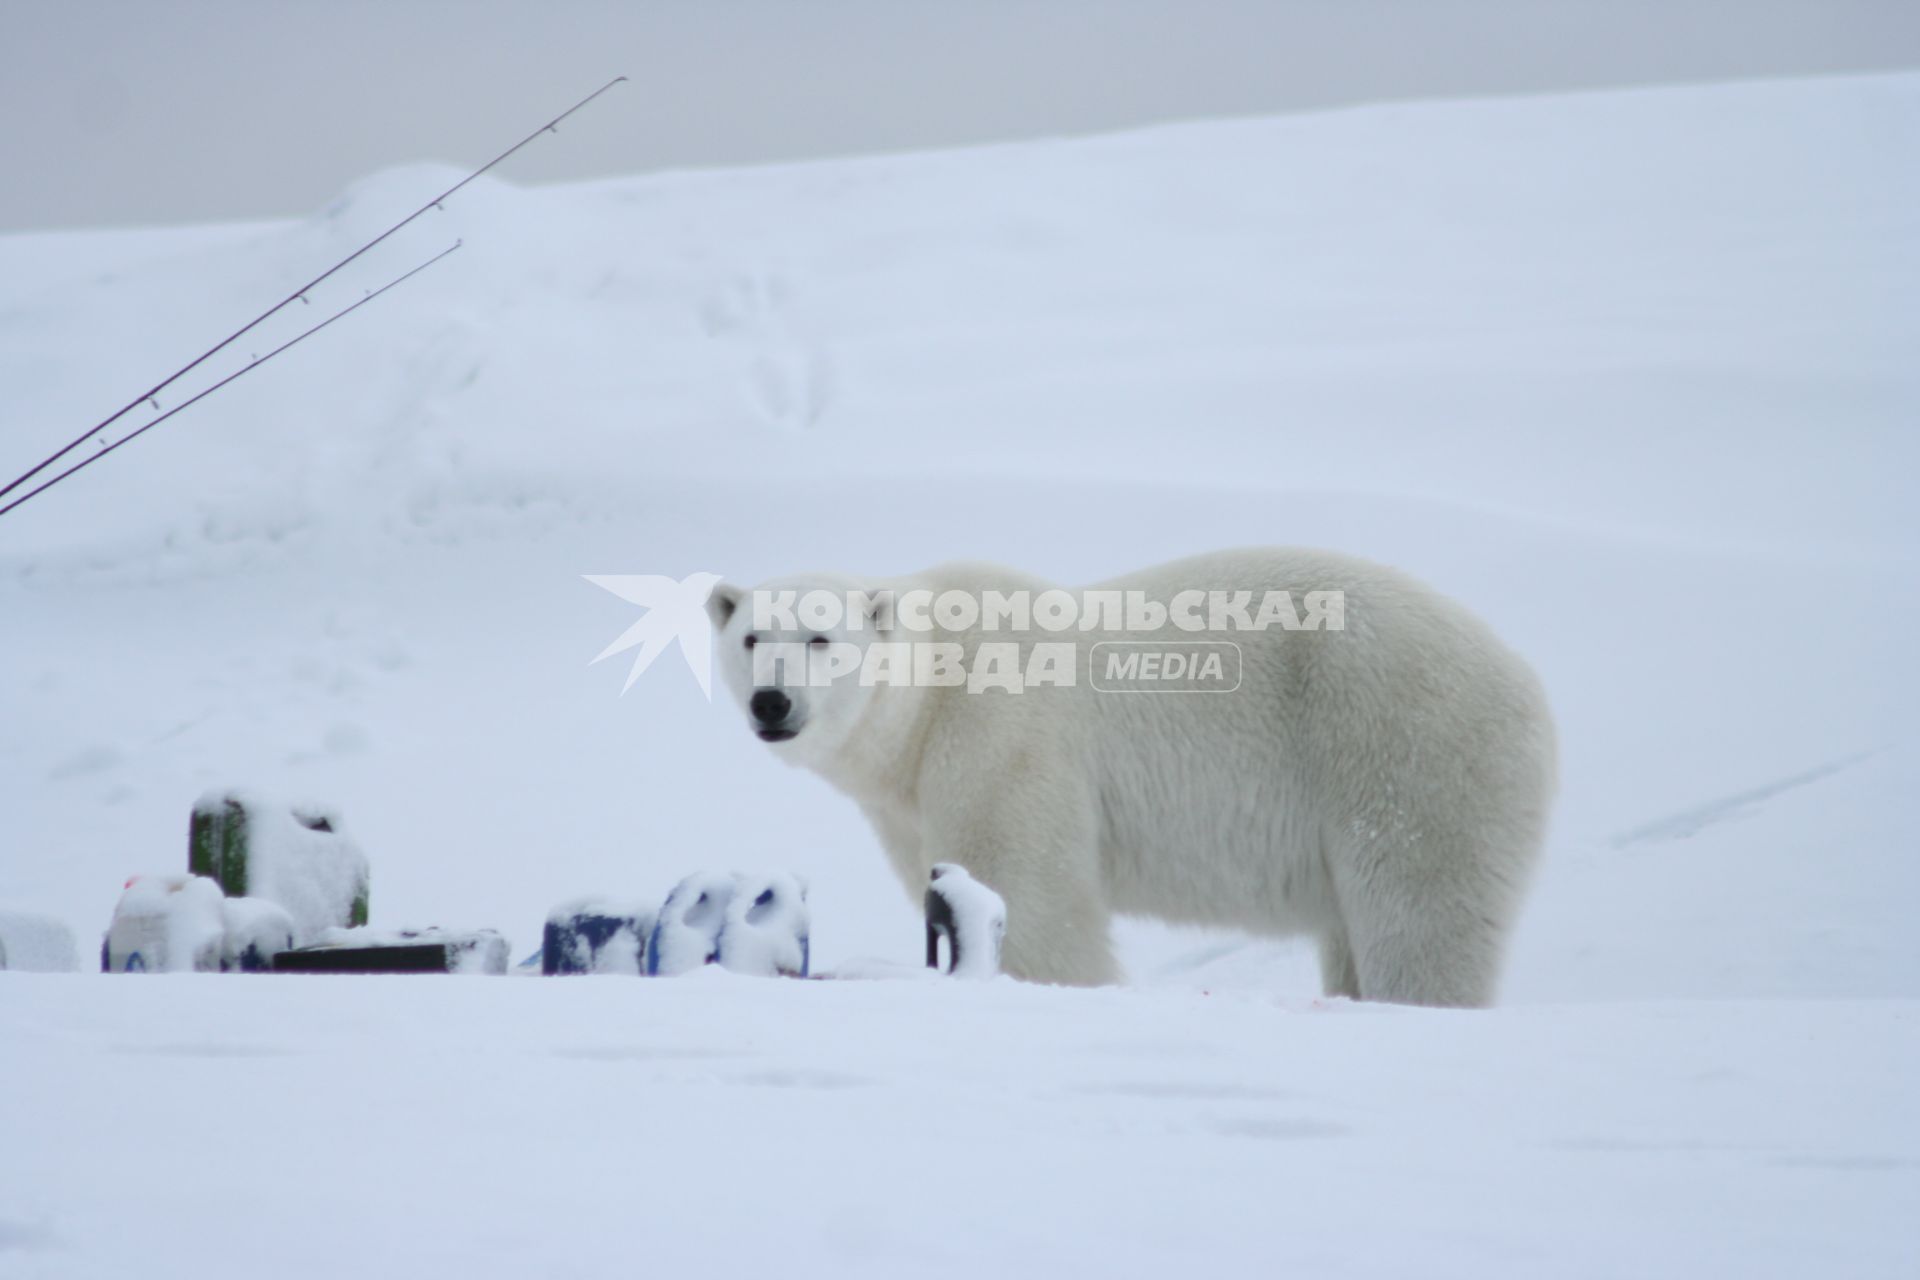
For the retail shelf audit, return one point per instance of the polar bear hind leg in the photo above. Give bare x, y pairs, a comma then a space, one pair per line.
1426, 926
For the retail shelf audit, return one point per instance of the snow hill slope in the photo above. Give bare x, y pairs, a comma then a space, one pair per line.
1631, 373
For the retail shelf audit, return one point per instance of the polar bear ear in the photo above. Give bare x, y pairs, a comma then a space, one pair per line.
721, 602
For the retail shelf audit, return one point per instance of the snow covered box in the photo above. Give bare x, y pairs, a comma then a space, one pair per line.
596, 935
398, 951
295, 855
33, 943
184, 924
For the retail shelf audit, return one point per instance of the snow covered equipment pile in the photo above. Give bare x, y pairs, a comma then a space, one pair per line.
294, 901
184, 924
756, 924
399, 951
297, 856
970, 916
33, 943
596, 935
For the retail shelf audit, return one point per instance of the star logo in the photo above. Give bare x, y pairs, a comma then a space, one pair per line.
674, 611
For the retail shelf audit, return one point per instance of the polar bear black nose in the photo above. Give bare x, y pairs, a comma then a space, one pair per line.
769, 706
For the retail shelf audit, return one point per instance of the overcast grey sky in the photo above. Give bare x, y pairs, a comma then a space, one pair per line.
151, 111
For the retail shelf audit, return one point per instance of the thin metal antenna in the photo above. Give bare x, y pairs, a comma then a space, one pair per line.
255, 364
298, 295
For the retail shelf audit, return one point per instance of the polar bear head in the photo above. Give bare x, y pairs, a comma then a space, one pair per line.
792, 652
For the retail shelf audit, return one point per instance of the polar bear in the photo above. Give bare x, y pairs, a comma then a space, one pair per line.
1374, 770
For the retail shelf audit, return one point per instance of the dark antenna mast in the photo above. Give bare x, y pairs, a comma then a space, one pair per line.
298, 295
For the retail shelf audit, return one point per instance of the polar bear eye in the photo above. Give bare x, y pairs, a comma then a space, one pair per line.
818, 642
752, 640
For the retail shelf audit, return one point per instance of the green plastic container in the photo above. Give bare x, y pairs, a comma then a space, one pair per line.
295, 857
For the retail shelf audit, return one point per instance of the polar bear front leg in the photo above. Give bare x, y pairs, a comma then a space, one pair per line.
1031, 835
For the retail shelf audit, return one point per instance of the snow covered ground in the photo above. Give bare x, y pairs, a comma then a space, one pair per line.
1631, 373
720, 1125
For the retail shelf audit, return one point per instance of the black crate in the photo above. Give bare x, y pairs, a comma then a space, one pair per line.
418, 957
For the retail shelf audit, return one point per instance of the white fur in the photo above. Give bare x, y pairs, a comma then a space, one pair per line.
1383, 788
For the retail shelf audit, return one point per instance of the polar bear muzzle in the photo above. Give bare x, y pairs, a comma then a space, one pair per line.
772, 710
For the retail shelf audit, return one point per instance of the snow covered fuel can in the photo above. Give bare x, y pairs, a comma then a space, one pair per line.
687, 934
767, 931
295, 855
166, 924
596, 935
970, 916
